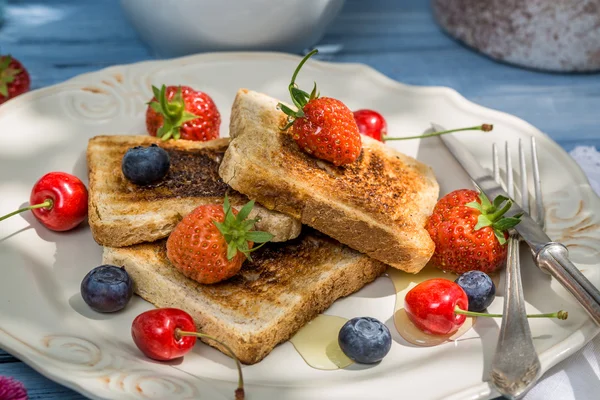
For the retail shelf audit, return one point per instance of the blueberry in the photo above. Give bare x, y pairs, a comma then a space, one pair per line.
145, 165
365, 340
107, 288
479, 288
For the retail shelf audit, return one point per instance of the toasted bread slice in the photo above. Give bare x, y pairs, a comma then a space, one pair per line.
122, 213
377, 205
284, 287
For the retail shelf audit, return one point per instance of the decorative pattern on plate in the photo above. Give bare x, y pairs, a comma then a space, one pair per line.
103, 100
103, 371
577, 227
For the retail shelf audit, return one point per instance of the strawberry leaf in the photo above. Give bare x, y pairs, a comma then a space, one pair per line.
226, 205
492, 214
476, 205
173, 112
506, 223
231, 250
500, 237
245, 211
314, 94
237, 230
5, 62
165, 131
259, 237
155, 106
156, 92
482, 222
499, 200
485, 202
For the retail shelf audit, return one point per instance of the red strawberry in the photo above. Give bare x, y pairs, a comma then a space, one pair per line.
14, 79
371, 123
469, 232
322, 126
211, 243
181, 112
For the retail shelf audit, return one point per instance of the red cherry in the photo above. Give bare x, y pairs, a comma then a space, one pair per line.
371, 123
69, 199
154, 333
432, 303
167, 333
58, 200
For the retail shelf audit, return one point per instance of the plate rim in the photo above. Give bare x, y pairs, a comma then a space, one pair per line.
559, 352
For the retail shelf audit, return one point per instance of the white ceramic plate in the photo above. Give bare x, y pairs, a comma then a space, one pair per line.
44, 321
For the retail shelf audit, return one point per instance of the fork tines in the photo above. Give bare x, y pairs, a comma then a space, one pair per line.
538, 213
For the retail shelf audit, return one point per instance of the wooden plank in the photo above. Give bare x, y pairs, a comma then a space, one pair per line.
38, 387
6, 358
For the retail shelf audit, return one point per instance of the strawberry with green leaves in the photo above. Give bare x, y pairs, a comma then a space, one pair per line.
182, 112
14, 78
470, 232
322, 126
211, 243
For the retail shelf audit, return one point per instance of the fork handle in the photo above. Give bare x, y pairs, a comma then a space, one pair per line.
515, 366
554, 258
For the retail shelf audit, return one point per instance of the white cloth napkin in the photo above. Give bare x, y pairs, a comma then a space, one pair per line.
578, 377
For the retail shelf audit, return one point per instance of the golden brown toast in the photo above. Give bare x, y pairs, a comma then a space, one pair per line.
377, 205
284, 287
122, 213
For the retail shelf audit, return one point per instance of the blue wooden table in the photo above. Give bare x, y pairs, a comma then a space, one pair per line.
59, 39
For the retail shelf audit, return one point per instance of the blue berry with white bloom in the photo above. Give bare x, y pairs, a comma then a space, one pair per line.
145, 165
365, 340
107, 288
480, 289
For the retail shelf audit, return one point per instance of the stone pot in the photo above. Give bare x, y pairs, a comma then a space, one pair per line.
552, 35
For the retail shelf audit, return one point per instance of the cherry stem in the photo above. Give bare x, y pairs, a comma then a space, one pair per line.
239, 393
560, 314
48, 203
484, 128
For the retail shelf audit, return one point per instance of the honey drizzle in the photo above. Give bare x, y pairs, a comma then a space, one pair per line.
317, 341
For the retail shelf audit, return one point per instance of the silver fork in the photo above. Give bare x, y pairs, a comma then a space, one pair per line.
516, 366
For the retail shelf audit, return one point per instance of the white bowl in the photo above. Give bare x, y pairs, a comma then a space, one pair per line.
179, 27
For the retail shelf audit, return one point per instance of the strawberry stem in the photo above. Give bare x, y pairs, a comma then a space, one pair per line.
238, 231
239, 392
500, 212
484, 128
173, 112
305, 59
562, 315
46, 204
492, 215
299, 97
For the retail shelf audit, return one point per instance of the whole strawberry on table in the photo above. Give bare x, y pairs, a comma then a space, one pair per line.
14, 78
470, 232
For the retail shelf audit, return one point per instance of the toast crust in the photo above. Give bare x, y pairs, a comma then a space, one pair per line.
122, 213
285, 286
377, 205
